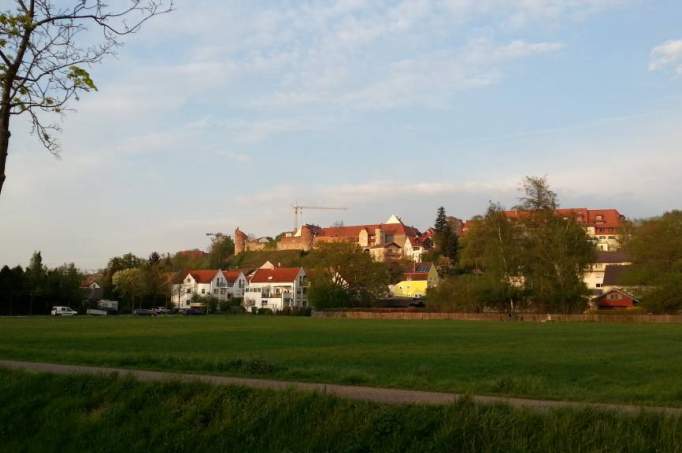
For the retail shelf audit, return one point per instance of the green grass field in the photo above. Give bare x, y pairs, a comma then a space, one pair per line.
45, 413
591, 362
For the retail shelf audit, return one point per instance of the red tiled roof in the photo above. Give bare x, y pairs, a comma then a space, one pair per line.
354, 231
598, 218
277, 275
231, 276
89, 280
203, 275
625, 300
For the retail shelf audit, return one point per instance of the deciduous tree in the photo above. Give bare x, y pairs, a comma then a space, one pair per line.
44, 56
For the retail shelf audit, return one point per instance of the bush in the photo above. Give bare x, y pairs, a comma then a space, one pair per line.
265, 311
212, 304
323, 294
666, 298
229, 306
472, 293
294, 311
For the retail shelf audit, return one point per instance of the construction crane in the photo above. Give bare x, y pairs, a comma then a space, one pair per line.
298, 212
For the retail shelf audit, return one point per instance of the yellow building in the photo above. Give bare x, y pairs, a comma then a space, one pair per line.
410, 288
415, 283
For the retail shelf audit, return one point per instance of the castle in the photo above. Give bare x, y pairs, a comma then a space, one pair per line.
388, 241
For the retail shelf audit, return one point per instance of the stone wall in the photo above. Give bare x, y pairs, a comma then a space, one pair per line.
416, 314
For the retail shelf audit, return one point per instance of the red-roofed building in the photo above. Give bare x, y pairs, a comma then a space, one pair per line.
389, 241
276, 289
223, 285
615, 299
602, 225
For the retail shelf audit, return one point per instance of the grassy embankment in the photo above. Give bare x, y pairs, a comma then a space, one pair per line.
589, 362
74, 414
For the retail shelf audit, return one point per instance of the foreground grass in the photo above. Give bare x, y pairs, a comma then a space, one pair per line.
592, 362
45, 413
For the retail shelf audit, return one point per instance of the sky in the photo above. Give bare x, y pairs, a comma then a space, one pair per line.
224, 113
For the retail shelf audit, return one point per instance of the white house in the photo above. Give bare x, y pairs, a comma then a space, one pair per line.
594, 275
276, 289
224, 285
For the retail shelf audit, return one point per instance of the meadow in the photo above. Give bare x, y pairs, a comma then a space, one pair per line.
628, 363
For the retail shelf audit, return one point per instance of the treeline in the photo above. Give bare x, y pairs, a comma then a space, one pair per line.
537, 260
655, 247
36, 289
534, 262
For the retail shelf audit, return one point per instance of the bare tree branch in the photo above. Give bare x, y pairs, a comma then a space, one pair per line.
43, 58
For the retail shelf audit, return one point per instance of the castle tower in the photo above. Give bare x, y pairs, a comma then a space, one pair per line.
240, 239
306, 238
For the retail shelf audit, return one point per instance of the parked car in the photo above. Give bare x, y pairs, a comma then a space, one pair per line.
162, 311
144, 312
96, 312
63, 311
194, 311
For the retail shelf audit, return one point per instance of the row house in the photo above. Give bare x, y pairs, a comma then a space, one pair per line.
223, 285
276, 289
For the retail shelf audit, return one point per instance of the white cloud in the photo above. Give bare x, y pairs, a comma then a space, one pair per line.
667, 56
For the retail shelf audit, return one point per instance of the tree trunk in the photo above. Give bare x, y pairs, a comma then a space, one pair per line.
4, 145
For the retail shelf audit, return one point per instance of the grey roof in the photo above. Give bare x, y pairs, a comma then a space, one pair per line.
612, 257
613, 275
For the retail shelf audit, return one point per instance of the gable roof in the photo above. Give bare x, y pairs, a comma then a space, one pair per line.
277, 275
231, 276
89, 280
626, 299
613, 274
352, 232
616, 257
203, 275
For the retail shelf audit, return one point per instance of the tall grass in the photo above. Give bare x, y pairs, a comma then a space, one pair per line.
45, 413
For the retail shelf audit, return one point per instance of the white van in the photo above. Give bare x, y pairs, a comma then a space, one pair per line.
63, 311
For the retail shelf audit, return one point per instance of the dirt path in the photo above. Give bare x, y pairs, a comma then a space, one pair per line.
373, 394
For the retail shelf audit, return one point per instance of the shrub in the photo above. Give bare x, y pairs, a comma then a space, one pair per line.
265, 311
294, 311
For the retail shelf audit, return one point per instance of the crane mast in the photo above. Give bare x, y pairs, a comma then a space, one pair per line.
298, 212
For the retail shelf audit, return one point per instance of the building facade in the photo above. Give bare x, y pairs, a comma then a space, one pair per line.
276, 289
223, 285
389, 241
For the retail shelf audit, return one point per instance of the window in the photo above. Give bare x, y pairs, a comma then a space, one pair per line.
264, 303
599, 285
612, 237
189, 291
203, 291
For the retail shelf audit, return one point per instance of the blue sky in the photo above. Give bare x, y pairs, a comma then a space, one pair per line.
224, 113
